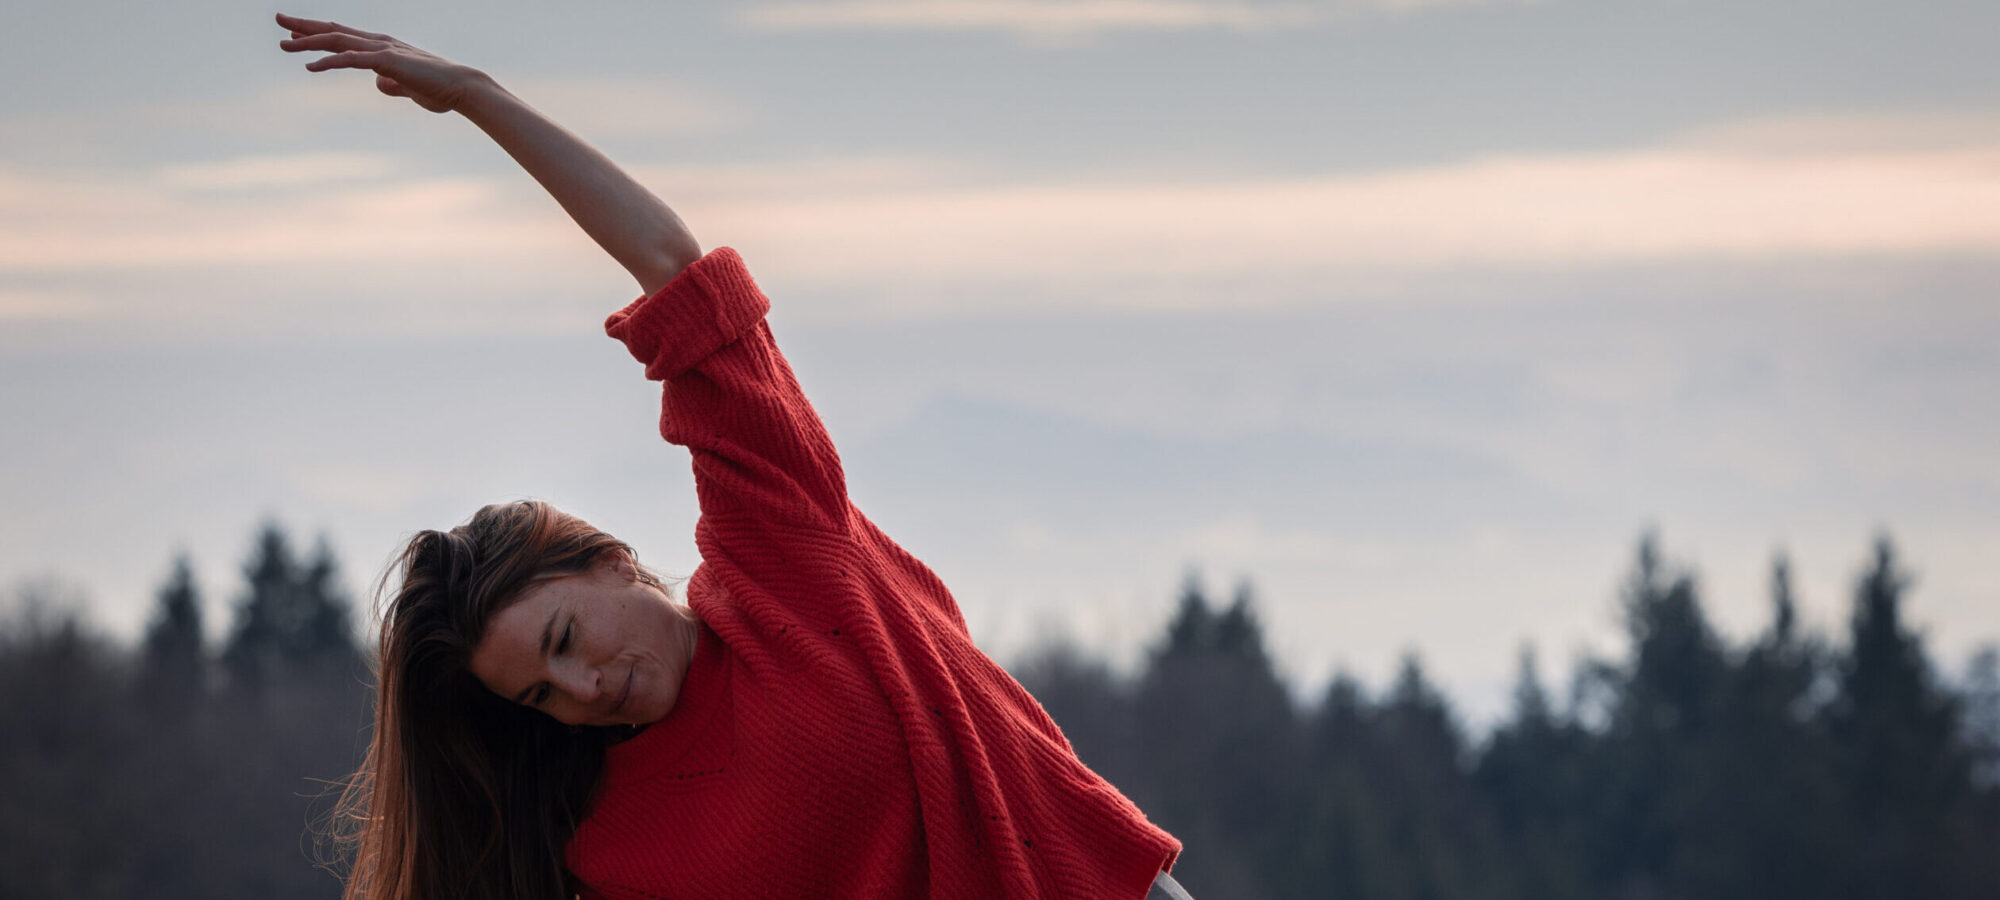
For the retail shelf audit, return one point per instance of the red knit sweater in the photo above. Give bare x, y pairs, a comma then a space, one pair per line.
838, 734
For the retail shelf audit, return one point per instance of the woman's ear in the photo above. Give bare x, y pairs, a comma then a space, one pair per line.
621, 563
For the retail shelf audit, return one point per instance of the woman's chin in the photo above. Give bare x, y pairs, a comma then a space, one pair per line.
654, 709
649, 703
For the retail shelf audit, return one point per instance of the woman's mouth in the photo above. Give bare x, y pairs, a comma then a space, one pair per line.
624, 694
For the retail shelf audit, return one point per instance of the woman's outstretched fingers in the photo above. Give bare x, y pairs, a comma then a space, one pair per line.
349, 59
333, 42
315, 26
431, 81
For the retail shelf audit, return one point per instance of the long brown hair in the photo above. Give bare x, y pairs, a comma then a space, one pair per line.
462, 793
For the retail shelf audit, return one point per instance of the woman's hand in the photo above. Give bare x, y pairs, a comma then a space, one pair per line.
433, 82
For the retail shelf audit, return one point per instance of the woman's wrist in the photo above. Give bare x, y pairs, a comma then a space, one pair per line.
479, 95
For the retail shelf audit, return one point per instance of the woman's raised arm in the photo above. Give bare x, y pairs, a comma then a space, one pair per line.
621, 215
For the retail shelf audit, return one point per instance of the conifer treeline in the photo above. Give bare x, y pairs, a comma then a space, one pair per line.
1793, 766
177, 770
1790, 767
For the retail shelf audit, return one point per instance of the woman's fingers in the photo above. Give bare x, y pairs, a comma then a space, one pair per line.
332, 42
316, 26
347, 50
433, 82
351, 59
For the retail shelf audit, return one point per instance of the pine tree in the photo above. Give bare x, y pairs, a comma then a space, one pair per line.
1978, 831
1659, 795
1677, 664
1774, 765
1262, 748
1222, 747
174, 670
328, 636
1435, 816
67, 738
1191, 629
1982, 715
292, 617
269, 612
1899, 756
1533, 774
1341, 835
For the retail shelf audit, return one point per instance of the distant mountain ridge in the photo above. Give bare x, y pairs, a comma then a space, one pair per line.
1037, 464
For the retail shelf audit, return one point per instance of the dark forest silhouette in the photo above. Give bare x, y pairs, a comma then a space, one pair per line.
1790, 766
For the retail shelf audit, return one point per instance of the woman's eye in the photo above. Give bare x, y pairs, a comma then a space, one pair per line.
562, 646
542, 696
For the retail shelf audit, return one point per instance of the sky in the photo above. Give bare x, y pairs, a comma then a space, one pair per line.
1413, 314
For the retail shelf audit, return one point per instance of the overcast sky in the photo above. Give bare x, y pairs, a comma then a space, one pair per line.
1415, 313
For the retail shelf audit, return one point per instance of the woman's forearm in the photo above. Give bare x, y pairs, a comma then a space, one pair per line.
620, 214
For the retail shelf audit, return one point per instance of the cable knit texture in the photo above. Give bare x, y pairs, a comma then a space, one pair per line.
838, 735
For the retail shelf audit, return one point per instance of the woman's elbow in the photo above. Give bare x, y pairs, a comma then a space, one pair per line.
659, 266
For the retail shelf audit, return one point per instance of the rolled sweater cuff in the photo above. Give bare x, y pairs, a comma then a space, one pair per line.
706, 307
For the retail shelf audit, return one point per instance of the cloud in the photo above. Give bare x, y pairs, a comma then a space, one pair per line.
1627, 207
373, 489
1054, 22
1822, 134
1035, 20
733, 183
930, 238
171, 218
334, 107
1239, 541
633, 107
292, 170
303, 109
27, 304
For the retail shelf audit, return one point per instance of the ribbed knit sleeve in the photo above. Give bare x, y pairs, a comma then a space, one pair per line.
729, 397
838, 733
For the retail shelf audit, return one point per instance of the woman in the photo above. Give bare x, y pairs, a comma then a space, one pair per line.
816, 722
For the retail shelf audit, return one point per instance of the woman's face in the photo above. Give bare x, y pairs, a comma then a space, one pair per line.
595, 648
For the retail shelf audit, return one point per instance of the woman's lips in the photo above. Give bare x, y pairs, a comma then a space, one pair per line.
624, 694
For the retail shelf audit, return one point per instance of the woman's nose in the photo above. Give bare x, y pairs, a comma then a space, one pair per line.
580, 681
